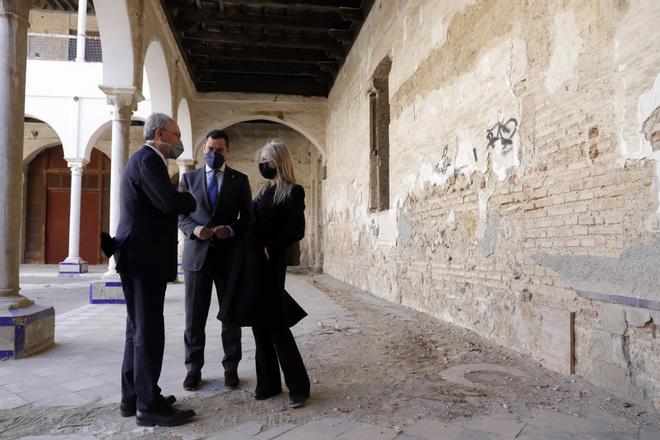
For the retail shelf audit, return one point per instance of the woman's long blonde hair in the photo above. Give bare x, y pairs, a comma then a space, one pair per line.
276, 152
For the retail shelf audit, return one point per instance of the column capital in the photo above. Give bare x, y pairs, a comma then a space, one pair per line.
122, 96
76, 165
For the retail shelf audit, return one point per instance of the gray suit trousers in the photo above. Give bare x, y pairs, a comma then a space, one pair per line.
198, 300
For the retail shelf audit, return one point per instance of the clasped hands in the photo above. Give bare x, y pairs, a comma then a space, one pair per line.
221, 232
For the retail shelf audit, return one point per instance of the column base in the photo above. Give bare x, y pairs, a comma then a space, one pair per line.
73, 268
26, 331
106, 292
179, 274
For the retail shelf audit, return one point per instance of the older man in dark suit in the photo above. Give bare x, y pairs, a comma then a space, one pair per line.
223, 211
145, 249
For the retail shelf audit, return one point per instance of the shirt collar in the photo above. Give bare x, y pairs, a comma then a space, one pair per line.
159, 153
209, 169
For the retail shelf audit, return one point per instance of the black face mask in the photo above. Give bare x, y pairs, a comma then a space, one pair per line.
266, 170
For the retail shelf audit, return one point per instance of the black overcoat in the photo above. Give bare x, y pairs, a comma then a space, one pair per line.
146, 240
255, 293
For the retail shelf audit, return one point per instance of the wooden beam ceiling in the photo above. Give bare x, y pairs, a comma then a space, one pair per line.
275, 46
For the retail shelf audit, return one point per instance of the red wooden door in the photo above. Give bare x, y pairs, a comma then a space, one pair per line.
47, 210
57, 226
90, 226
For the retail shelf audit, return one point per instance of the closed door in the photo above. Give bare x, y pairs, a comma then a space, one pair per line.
57, 226
90, 226
47, 208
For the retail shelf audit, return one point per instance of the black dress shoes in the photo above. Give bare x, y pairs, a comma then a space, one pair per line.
262, 395
297, 401
127, 409
192, 380
231, 379
167, 416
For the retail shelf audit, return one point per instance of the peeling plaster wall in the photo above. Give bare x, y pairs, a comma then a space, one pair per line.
553, 212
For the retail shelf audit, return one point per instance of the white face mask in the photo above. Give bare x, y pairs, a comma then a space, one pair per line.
176, 149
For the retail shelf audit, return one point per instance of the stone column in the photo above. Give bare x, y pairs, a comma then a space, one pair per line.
185, 165
25, 328
121, 124
124, 101
73, 264
82, 30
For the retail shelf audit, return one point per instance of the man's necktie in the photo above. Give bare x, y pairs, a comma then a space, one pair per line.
213, 189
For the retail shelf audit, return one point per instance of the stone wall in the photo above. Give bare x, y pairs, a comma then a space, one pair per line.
522, 171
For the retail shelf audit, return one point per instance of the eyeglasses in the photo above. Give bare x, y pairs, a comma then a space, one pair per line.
178, 135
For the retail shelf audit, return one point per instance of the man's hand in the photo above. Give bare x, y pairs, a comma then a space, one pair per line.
222, 232
267, 254
203, 233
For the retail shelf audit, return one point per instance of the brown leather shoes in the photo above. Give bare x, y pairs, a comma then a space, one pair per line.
192, 380
231, 379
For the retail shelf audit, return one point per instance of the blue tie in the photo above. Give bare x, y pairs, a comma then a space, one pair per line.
213, 189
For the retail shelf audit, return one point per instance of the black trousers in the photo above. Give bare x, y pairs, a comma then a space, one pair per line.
145, 340
198, 300
276, 347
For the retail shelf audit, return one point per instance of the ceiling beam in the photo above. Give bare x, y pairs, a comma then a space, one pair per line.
352, 14
315, 5
264, 41
59, 5
228, 56
189, 17
263, 70
198, 47
239, 84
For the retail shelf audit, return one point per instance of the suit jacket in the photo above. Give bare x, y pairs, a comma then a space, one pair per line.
232, 209
146, 240
255, 294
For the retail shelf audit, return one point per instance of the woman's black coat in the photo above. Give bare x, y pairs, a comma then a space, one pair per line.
255, 294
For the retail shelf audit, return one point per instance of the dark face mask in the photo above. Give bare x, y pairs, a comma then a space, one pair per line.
214, 160
266, 170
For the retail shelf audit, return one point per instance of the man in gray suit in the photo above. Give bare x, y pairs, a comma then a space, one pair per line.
223, 212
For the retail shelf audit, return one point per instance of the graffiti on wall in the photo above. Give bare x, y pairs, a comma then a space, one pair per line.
502, 132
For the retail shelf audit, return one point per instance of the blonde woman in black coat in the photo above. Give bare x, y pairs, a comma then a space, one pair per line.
255, 295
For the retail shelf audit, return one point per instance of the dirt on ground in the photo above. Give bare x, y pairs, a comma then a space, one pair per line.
383, 366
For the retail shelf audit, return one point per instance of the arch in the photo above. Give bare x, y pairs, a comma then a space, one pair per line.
238, 119
185, 125
31, 154
116, 43
107, 125
27, 159
158, 77
53, 119
94, 137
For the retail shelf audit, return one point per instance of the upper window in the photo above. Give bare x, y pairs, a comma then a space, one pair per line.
379, 138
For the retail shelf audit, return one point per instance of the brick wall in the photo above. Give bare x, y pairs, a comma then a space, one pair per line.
509, 239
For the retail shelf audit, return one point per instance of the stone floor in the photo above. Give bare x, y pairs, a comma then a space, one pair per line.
82, 371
